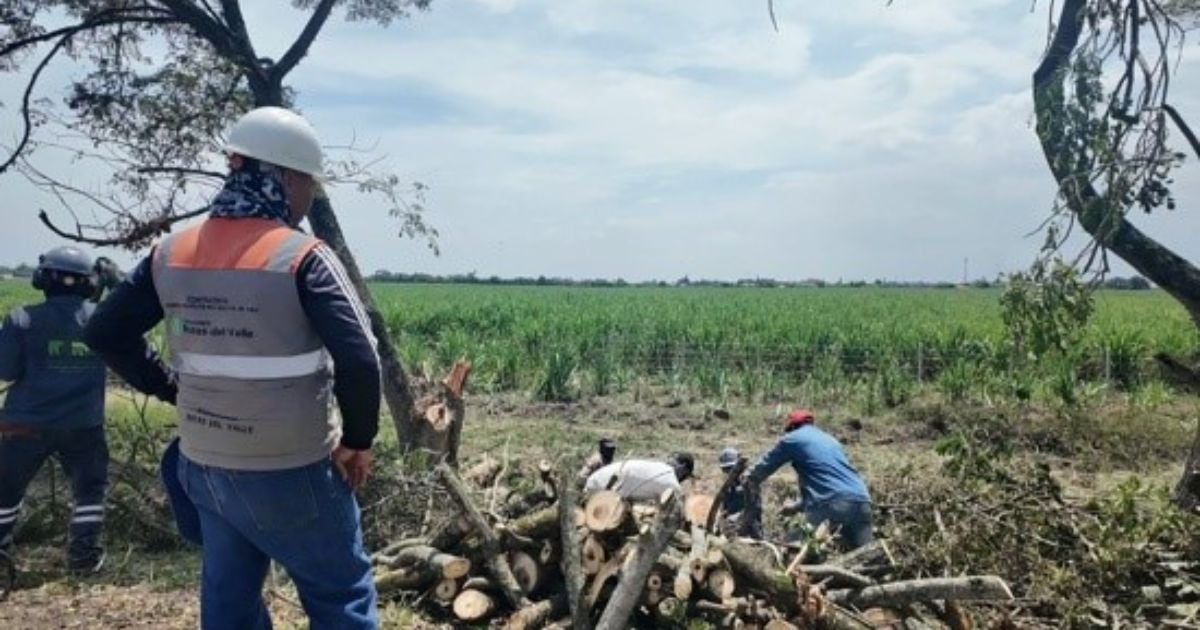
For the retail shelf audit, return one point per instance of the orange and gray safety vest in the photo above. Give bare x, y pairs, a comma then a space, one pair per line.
254, 378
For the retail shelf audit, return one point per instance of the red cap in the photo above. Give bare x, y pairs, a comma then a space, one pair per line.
798, 418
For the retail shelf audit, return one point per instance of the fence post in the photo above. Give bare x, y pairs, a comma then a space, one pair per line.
920, 363
1107, 366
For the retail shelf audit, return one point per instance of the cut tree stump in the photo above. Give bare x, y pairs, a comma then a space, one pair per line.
440, 417
608, 571
668, 611
605, 511
593, 555
527, 570
471, 605
720, 584
442, 565
445, 590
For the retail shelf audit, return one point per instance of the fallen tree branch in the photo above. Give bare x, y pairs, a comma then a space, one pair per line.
844, 576
497, 561
651, 543
896, 594
730, 481
572, 561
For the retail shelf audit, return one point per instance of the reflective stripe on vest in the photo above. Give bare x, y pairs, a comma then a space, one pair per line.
221, 365
255, 380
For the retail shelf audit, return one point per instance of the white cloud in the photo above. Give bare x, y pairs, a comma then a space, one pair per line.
656, 139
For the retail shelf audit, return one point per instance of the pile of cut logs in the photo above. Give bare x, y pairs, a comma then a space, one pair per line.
650, 565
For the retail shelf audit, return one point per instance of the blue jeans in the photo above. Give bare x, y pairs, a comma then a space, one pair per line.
83, 454
306, 519
850, 517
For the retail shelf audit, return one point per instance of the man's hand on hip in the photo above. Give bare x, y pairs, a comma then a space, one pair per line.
354, 466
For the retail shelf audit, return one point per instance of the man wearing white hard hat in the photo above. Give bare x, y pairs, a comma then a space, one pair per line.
265, 333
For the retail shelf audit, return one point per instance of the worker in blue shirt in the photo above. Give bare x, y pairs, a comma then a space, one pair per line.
831, 489
55, 404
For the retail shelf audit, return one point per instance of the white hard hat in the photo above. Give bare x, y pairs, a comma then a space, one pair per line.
277, 136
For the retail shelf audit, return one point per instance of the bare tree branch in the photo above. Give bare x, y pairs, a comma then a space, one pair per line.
180, 170
107, 17
215, 33
26, 116
1183, 128
299, 48
148, 230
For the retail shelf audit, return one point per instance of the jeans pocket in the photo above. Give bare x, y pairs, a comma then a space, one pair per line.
276, 500
339, 509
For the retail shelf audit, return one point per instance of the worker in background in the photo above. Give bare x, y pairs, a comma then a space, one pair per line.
264, 331
830, 488
734, 503
605, 452
55, 405
643, 479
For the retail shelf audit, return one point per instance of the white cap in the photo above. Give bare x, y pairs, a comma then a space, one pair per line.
277, 136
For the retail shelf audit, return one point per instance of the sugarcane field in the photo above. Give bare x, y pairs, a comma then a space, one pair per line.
581, 315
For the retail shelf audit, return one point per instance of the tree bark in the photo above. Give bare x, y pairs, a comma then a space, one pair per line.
897, 594
496, 560
731, 479
1107, 225
443, 565
396, 390
572, 555
406, 579
651, 544
397, 393
536, 615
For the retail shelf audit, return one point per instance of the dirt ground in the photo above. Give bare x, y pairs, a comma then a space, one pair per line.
144, 590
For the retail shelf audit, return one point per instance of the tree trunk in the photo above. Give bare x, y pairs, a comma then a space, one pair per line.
1106, 224
396, 391
1187, 491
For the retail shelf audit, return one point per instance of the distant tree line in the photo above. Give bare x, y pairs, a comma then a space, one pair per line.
1133, 283
20, 271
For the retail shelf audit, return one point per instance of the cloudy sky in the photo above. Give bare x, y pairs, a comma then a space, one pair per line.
657, 138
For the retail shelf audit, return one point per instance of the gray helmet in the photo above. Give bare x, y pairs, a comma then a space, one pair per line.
728, 457
67, 259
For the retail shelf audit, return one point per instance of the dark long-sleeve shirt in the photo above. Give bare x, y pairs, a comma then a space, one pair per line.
57, 382
116, 333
